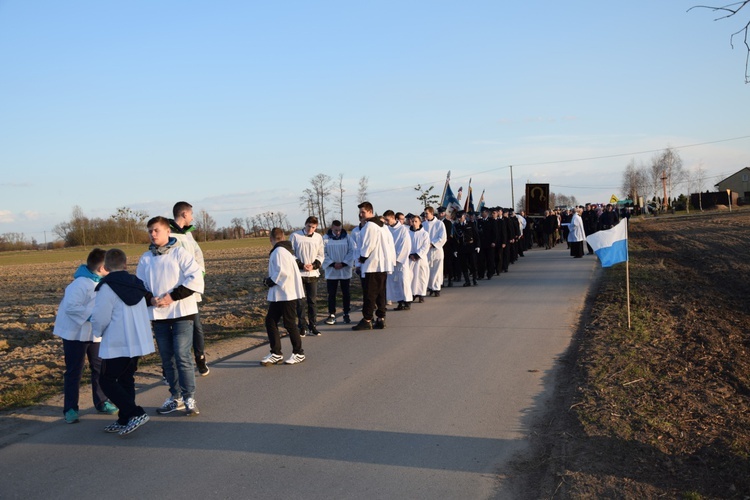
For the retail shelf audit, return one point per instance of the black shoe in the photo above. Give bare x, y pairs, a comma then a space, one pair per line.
450, 283
313, 332
347, 320
401, 306
407, 307
420, 299
200, 362
437, 293
467, 283
363, 325
489, 277
474, 282
379, 324
430, 292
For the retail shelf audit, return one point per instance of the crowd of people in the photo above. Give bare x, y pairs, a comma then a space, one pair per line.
111, 317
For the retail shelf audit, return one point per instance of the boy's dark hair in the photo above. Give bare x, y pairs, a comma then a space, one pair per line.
336, 223
115, 260
367, 206
180, 207
277, 234
311, 220
388, 213
95, 259
158, 220
399, 214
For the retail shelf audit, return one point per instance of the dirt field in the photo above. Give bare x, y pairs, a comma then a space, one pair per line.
31, 360
661, 410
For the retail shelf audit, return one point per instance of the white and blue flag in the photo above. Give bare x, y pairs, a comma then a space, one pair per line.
611, 245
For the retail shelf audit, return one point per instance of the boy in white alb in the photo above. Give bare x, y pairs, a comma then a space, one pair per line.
309, 249
284, 291
121, 319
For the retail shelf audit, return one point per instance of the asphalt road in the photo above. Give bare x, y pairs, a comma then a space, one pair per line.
431, 407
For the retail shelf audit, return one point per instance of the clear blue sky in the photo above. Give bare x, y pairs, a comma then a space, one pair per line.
235, 105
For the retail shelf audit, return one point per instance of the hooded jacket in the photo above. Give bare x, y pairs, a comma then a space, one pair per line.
121, 317
72, 321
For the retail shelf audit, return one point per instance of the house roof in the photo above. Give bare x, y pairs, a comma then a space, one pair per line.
737, 172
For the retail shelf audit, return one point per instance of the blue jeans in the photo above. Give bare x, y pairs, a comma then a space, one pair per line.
76, 352
174, 337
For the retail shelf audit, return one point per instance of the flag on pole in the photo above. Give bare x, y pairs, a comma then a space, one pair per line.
480, 205
450, 202
611, 245
445, 188
469, 203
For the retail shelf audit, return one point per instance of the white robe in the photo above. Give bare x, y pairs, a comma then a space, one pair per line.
436, 229
398, 284
283, 270
420, 247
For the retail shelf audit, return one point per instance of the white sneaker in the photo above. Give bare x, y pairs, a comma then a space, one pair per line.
295, 359
191, 407
272, 359
331, 320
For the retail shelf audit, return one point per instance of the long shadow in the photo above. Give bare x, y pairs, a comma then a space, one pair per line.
402, 449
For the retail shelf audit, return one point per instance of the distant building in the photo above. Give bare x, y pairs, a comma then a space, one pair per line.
739, 183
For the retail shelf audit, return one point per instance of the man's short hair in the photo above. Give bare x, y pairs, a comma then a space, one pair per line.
388, 213
95, 259
336, 223
180, 207
311, 220
367, 206
115, 260
429, 210
158, 220
399, 214
277, 234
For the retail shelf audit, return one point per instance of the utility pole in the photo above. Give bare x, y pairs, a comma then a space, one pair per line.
512, 196
664, 203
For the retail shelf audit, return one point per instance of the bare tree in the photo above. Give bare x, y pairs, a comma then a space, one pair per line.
729, 10
634, 181
670, 164
315, 198
205, 224
362, 192
237, 229
130, 219
340, 196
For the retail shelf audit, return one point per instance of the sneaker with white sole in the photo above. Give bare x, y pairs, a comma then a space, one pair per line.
272, 359
171, 405
295, 359
114, 427
313, 332
331, 320
191, 407
133, 424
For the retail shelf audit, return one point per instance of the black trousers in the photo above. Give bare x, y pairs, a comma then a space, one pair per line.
309, 317
468, 258
374, 295
118, 383
332, 286
486, 262
285, 310
75, 353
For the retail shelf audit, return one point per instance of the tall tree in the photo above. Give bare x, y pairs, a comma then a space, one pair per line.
634, 181
237, 229
426, 196
315, 198
340, 196
362, 191
205, 224
129, 219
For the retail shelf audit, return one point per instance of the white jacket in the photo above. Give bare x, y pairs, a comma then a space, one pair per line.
284, 272
163, 273
125, 331
72, 322
308, 250
401, 242
377, 247
338, 250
